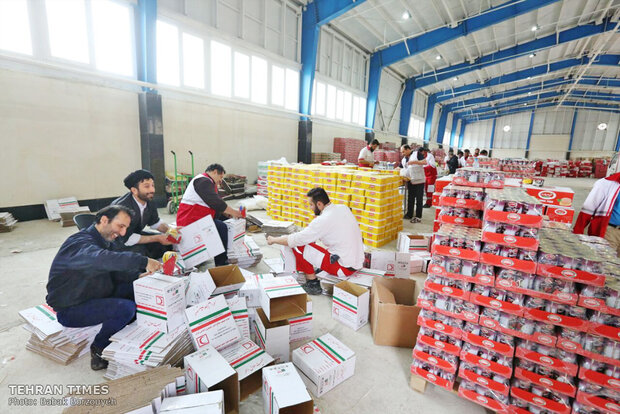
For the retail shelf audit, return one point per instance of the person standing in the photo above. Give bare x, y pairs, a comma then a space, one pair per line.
139, 199
201, 199
90, 283
461, 156
453, 162
366, 157
601, 211
413, 172
430, 173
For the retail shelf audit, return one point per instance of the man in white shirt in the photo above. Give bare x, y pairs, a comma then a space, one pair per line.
462, 162
413, 172
430, 172
366, 157
336, 227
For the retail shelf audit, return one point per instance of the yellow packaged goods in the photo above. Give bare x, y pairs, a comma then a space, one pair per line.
358, 198
356, 191
330, 188
376, 208
356, 205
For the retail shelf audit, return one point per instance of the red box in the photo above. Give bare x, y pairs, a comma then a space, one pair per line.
561, 297
556, 196
440, 345
436, 200
491, 184
527, 243
467, 222
605, 331
464, 316
553, 385
455, 252
598, 305
501, 305
508, 263
537, 337
446, 290
489, 365
440, 327
461, 202
432, 378
442, 183
541, 402
435, 361
438, 270
436, 226
578, 276
486, 402
547, 361
497, 347
560, 214
599, 378
563, 321
576, 348
484, 381
603, 405
528, 220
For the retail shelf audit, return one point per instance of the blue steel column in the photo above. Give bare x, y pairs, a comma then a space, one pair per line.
428, 123
146, 50
462, 133
618, 141
441, 127
374, 80
406, 103
492, 141
529, 135
455, 120
572, 134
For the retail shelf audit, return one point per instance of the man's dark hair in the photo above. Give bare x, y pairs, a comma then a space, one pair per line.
318, 194
459, 152
135, 178
484, 152
374, 142
216, 167
112, 211
406, 146
466, 150
450, 151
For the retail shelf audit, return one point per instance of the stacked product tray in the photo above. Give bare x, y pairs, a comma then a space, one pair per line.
528, 319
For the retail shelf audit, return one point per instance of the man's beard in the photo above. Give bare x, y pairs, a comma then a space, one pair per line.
317, 212
145, 196
372, 149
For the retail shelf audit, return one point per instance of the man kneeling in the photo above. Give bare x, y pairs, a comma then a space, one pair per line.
89, 284
335, 226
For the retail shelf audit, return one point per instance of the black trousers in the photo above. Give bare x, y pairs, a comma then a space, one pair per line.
415, 194
153, 250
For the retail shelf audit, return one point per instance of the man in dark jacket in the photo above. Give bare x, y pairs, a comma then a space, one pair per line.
90, 284
139, 199
453, 162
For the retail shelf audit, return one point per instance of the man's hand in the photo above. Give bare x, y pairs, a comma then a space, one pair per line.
236, 214
163, 239
270, 240
153, 266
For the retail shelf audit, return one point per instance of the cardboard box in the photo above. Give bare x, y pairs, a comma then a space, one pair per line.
204, 403
200, 242
227, 279
560, 214
282, 298
284, 391
324, 363
251, 291
393, 313
394, 264
211, 323
54, 207
273, 337
557, 196
301, 327
408, 242
351, 304
207, 370
200, 288
239, 310
247, 359
160, 302
236, 232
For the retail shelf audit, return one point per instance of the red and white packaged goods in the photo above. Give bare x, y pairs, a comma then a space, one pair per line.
522, 317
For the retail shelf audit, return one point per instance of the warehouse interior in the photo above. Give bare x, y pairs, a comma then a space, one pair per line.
95, 89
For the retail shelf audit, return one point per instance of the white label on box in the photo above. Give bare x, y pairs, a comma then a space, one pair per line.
200, 241
211, 324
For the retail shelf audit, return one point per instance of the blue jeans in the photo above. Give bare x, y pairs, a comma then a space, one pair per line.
222, 229
114, 313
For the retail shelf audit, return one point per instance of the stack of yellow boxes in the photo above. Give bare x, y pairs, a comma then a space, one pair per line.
372, 196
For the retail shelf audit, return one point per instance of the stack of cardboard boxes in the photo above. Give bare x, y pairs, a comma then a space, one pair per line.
372, 196
261, 181
7, 222
349, 148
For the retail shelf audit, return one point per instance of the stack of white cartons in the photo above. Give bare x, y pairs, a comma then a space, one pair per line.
52, 340
277, 228
245, 253
54, 207
261, 182
66, 217
7, 222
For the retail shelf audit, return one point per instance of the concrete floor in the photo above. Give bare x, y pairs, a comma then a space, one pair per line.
381, 379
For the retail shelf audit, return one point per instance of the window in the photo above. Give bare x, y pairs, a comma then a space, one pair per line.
167, 54
277, 85
221, 67
292, 90
242, 75
362, 117
15, 27
356, 109
193, 61
347, 106
331, 102
320, 98
340, 104
259, 80
112, 30
66, 21
420, 129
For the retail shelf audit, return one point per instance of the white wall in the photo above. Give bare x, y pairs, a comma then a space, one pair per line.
517, 136
389, 103
63, 138
588, 137
508, 153
478, 135
324, 132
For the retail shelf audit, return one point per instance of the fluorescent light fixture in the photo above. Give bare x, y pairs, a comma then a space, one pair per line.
529, 77
438, 57
506, 128
602, 126
535, 27
531, 55
529, 93
455, 78
406, 15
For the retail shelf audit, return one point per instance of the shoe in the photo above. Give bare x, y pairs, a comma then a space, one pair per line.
96, 362
427, 206
313, 287
407, 217
415, 220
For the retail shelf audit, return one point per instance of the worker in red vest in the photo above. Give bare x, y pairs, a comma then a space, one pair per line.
430, 174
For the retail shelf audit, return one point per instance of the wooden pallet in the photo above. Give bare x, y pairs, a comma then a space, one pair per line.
417, 383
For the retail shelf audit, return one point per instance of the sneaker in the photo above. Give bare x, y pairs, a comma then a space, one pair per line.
96, 362
313, 287
427, 206
407, 217
416, 220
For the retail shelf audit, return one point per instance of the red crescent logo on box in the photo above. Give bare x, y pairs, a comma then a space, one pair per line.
507, 262
495, 303
554, 318
547, 195
482, 399
203, 340
455, 252
510, 239
460, 202
432, 360
545, 339
307, 348
336, 311
513, 217
447, 290
197, 238
439, 344
489, 323
439, 326
591, 302
488, 343
560, 212
431, 377
539, 401
568, 273
484, 279
159, 300
459, 220
546, 381
484, 362
482, 380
